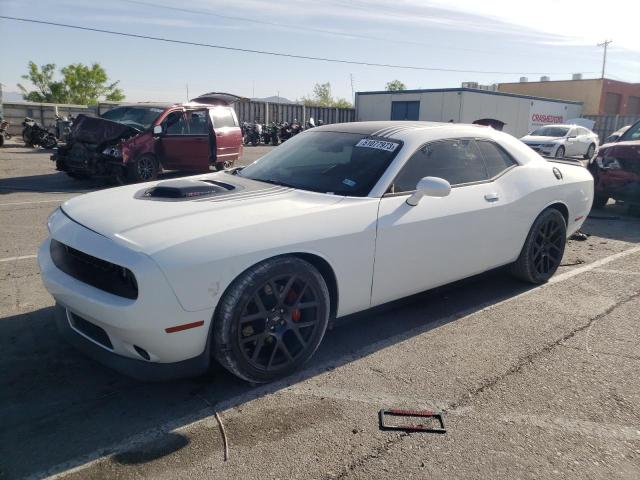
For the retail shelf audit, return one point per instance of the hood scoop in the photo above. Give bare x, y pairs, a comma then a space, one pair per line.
177, 190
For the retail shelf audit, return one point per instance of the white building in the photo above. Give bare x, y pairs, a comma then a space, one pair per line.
516, 114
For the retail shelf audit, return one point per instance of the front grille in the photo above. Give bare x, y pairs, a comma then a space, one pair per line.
93, 271
91, 330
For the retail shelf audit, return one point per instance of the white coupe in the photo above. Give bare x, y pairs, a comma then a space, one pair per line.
249, 265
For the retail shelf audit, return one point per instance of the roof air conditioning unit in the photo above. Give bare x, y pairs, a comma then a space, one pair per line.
576, 76
545, 79
524, 79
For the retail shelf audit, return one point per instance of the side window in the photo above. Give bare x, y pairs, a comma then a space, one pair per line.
222, 117
174, 124
457, 161
197, 122
583, 131
573, 132
496, 158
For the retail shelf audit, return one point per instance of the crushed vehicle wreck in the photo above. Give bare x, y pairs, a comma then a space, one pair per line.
133, 143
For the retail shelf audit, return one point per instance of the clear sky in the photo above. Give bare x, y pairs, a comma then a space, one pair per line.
553, 37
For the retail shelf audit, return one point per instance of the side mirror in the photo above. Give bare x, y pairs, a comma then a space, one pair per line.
430, 187
157, 130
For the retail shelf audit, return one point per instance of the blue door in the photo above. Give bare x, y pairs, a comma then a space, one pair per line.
405, 110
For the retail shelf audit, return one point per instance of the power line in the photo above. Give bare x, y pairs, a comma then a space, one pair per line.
309, 29
266, 52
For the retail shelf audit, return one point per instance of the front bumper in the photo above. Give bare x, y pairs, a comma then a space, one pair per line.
139, 369
131, 326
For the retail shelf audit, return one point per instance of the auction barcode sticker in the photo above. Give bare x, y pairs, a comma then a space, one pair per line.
377, 144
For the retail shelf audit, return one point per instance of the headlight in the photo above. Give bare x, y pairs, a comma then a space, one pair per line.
608, 163
112, 152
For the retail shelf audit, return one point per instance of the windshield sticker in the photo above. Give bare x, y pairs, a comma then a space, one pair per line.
377, 144
349, 183
157, 110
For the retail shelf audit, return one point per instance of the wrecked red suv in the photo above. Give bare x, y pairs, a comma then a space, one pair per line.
133, 143
616, 170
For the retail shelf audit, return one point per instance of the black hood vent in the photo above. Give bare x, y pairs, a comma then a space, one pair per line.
185, 190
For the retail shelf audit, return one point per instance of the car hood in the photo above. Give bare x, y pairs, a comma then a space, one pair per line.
539, 139
624, 150
96, 130
147, 224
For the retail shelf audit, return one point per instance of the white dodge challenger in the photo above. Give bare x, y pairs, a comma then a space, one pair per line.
249, 265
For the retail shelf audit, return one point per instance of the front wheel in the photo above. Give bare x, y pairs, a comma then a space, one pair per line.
49, 142
271, 319
543, 249
26, 138
143, 169
560, 152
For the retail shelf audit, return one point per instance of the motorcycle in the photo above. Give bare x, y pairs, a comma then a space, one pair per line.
285, 132
63, 128
34, 135
254, 133
4, 134
274, 130
266, 134
296, 128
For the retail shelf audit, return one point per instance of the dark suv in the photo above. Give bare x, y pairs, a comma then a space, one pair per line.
134, 142
616, 170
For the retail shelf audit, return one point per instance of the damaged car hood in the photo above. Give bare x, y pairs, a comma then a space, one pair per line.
87, 129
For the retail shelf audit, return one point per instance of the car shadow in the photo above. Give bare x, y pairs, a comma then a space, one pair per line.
59, 407
614, 222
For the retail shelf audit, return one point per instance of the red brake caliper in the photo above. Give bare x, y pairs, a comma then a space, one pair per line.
296, 314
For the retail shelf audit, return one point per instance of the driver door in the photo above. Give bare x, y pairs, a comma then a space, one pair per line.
184, 142
441, 240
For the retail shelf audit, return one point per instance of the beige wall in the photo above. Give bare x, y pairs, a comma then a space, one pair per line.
586, 91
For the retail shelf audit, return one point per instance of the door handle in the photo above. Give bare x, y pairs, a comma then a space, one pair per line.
491, 197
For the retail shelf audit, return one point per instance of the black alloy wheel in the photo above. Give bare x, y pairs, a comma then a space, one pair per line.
144, 169
272, 319
543, 249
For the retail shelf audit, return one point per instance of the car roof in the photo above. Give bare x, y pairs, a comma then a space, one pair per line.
389, 128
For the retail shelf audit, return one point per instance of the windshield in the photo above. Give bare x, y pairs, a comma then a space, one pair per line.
328, 162
632, 133
550, 132
138, 117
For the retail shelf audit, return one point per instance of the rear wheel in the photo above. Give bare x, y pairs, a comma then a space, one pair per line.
26, 138
271, 319
590, 151
227, 164
543, 249
560, 152
143, 169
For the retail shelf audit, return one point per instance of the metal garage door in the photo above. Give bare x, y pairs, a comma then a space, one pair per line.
405, 110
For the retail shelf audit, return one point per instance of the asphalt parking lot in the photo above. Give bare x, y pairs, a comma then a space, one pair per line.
534, 382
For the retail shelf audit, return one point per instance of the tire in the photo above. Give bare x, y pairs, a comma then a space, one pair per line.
224, 165
261, 300
255, 141
560, 152
1, 140
599, 201
143, 169
49, 142
543, 249
26, 139
590, 151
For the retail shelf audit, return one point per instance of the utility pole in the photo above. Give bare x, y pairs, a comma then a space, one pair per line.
187, 92
353, 99
604, 44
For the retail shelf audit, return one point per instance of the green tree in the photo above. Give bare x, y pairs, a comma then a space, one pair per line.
86, 85
322, 97
46, 89
395, 86
80, 84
